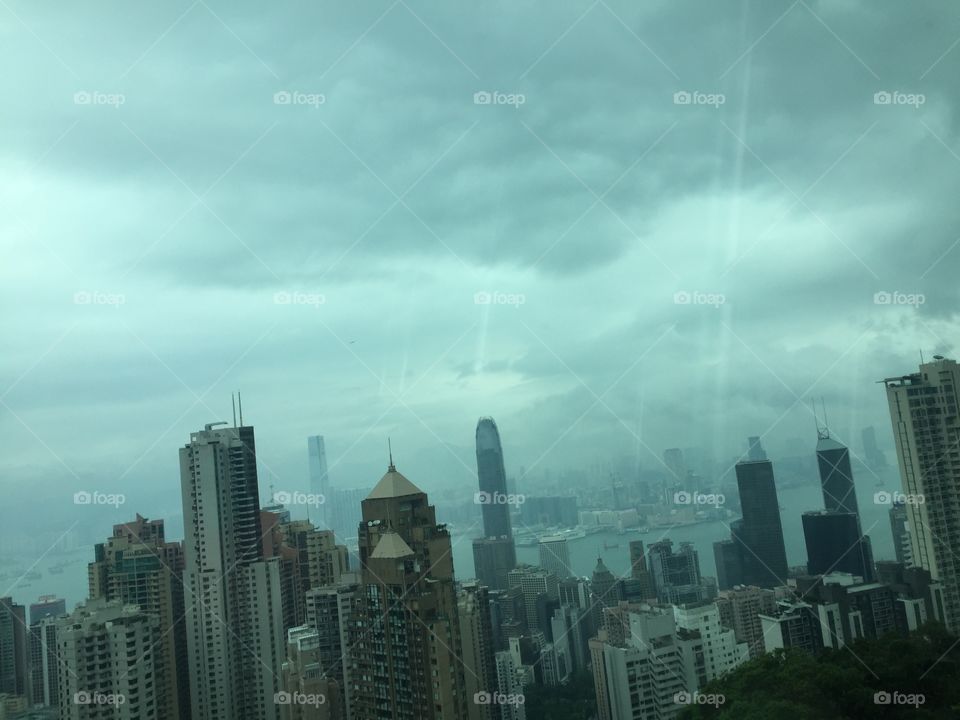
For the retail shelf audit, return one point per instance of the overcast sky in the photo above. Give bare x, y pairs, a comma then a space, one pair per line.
682, 214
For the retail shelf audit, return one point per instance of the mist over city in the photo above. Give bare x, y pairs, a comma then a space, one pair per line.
512, 339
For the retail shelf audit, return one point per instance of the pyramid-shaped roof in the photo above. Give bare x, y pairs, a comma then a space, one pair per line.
391, 546
393, 484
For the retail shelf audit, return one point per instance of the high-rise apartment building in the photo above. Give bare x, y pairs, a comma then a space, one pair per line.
641, 675
722, 652
740, 609
307, 693
900, 528
110, 662
233, 601
329, 612
495, 554
406, 631
137, 566
476, 634
534, 583
42, 639
926, 430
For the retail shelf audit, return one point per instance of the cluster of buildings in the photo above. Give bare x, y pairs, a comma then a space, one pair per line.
256, 616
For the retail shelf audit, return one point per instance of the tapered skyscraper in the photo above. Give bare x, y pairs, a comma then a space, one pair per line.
232, 594
926, 428
495, 554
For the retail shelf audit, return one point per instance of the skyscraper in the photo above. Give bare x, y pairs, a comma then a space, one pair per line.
476, 633
926, 429
555, 556
834, 539
232, 594
676, 575
495, 554
405, 628
110, 662
13, 647
137, 566
319, 477
756, 555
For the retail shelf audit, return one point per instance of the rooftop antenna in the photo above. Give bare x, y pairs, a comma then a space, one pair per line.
240, 403
826, 423
233, 401
921, 356
391, 468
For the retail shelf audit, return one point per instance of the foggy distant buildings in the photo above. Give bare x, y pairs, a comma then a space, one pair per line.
872, 453
926, 429
494, 555
319, 477
549, 510
755, 553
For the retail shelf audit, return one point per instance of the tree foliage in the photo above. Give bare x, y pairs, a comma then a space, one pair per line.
841, 684
576, 700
